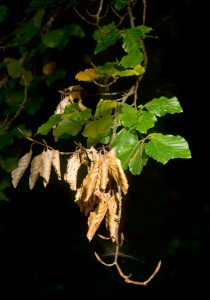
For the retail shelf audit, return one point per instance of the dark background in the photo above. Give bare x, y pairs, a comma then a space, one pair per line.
44, 253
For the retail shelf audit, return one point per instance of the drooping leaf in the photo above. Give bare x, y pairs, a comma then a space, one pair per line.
3, 12
46, 127
165, 147
95, 218
106, 36
163, 105
136, 71
97, 129
73, 165
35, 170
133, 58
113, 222
105, 108
22, 166
37, 19
47, 156
56, 163
138, 159
123, 144
53, 38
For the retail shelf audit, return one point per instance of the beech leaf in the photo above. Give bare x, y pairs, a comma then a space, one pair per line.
36, 167
22, 166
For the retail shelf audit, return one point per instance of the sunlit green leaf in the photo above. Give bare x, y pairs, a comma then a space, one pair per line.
138, 159
129, 116
163, 105
3, 12
106, 36
105, 108
46, 127
98, 129
72, 123
146, 120
131, 38
53, 38
133, 58
37, 19
165, 147
124, 142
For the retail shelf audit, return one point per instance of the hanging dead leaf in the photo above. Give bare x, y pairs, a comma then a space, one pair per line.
89, 181
56, 163
62, 104
73, 166
123, 179
81, 106
87, 75
47, 157
104, 172
113, 219
22, 166
95, 218
36, 167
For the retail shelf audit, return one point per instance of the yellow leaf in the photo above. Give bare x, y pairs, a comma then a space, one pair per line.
87, 75
49, 68
22, 166
36, 166
95, 218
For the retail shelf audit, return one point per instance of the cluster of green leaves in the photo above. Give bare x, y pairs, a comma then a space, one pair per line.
133, 139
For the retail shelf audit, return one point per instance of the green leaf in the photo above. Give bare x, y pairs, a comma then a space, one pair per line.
5, 140
105, 108
124, 142
145, 29
165, 147
74, 30
146, 120
98, 129
8, 163
72, 123
53, 38
37, 19
134, 119
163, 105
3, 197
131, 38
26, 33
14, 68
106, 36
57, 74
14, 97
3, 12
138, 159
133, 58
33, 105
46, 127
119, 4
136, 71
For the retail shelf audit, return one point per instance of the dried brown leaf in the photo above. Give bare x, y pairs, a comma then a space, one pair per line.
36, 167
89, 181
73, 166
113, 220
22, 166
95, 218
47, 157
56, 163
104, 172
62, 104
123, 179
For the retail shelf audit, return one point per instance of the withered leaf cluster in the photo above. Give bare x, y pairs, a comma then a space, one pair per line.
99, 193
